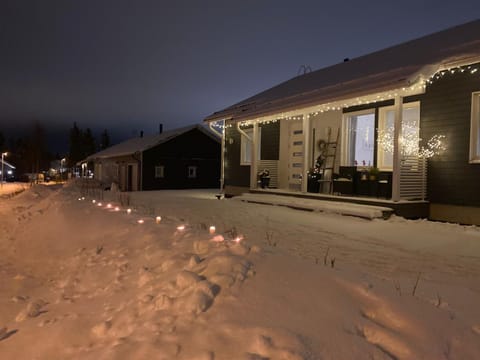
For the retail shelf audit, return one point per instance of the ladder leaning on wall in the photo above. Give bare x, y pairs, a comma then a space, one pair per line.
329, 154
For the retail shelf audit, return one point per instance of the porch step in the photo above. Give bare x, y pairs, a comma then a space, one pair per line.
332, 207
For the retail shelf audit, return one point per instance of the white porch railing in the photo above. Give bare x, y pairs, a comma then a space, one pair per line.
413, 178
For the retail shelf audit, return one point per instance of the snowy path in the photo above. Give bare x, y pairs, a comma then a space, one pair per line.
83, 281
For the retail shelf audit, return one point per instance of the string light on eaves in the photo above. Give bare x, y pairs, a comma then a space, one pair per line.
451, 71
418, 88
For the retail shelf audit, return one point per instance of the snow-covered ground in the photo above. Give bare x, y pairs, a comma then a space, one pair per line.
80, 280
10, 189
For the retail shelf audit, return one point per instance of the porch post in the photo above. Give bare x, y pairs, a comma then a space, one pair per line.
397, 158
254, 162
306, 150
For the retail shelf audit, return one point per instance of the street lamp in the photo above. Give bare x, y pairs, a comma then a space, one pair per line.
3, 172
62, 162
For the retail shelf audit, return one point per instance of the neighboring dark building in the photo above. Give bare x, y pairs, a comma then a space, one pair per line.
183, 158
380, 113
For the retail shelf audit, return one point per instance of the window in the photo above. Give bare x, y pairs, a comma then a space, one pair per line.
192, 172
359, 138
475, 129
159, 172
246, 147
410, 133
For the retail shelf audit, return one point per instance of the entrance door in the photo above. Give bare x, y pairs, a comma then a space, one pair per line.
295, 154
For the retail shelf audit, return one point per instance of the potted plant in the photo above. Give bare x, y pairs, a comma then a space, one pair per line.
373, 173
264, 176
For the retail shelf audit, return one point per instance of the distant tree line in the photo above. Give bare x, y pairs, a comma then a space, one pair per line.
30, 154
82, 144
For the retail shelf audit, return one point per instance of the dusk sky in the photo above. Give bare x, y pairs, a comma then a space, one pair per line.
127, 66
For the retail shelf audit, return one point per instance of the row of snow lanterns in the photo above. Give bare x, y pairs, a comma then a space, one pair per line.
158, 219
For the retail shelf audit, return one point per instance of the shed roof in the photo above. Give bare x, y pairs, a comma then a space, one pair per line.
140, 144
387, 69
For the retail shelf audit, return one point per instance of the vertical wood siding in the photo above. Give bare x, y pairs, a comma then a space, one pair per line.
446, 110
239, 175
192, 148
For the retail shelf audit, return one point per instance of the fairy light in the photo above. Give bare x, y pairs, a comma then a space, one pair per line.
409, 143
218, 238
435, 146
158, 219
129, 211
238, 239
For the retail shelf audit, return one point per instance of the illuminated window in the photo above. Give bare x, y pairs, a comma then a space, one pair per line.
246, 147
192, 172
359, 138
475, 129
159, 172
410, 133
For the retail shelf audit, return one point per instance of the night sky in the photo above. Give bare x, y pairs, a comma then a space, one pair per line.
128, 66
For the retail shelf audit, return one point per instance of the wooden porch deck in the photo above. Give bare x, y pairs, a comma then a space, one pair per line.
410, 209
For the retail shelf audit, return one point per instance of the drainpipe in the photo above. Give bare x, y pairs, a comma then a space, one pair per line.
222, 161
397, 158
253, 160
306, 150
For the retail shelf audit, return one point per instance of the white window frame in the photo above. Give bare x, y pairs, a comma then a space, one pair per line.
382, 111
475, 129
346, 161
246, 146
159, 172
192, 172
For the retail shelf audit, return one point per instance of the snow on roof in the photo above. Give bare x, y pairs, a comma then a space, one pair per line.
390, 68
139, 144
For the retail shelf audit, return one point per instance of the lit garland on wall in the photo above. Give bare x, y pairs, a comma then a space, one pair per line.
409, 143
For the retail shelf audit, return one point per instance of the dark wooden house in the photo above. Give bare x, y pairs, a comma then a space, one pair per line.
399, 127
183, 158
